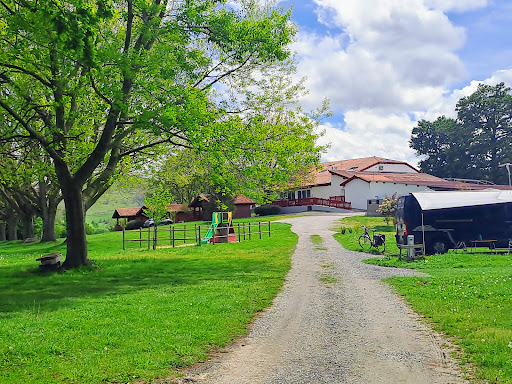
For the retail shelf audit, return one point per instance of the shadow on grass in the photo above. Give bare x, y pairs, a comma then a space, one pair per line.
23, 289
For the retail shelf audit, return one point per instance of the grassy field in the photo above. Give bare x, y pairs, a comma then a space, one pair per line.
468, 297
138, 315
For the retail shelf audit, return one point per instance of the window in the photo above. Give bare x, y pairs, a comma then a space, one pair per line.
304, 194
291, 195
342, 192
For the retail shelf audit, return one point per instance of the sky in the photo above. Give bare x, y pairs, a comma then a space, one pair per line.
387, 64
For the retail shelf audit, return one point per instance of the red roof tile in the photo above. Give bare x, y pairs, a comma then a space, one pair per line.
360, 164
126, 212
241, 199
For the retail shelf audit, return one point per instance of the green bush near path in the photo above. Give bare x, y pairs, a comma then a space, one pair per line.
138, 315
468, 297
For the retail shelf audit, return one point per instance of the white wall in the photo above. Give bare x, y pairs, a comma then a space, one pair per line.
391, 168
358, 192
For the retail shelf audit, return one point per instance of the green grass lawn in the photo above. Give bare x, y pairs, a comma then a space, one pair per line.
468, 297
137, 316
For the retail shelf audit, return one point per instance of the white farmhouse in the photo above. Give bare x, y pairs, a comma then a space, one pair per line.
360, 184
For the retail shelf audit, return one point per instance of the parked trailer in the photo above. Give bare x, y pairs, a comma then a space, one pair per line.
451, 219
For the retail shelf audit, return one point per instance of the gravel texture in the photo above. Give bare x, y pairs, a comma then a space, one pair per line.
333, 322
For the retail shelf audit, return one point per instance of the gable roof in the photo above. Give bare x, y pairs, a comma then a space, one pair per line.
391, 177
346, 169
239, 200
121, 213
361, 164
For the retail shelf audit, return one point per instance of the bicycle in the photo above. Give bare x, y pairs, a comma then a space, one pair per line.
377, 241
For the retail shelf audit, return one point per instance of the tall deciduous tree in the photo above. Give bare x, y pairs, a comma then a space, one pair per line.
486, 118
269, 144
473, 145
96, 81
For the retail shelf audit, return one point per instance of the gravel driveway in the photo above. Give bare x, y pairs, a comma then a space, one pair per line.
333, 322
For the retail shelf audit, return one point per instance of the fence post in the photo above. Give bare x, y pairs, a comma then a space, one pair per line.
184, 233
149, 237
244, 231
269, 229
123, 240
199, 235
238, 232
249, 231
259, 228
140, 237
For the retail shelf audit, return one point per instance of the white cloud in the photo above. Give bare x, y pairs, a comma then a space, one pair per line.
368, 134
392, 57
456, 5
384, 69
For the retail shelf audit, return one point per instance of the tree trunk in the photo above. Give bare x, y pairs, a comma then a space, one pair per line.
49, 227
28, 227
48, 214
3, 227
12, 227
76, 242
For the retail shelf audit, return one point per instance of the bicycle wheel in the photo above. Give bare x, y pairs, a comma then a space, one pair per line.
365, 243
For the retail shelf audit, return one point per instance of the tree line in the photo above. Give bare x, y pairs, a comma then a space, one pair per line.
473, 145
96, 90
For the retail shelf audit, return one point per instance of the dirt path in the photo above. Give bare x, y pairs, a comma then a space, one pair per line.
334, 322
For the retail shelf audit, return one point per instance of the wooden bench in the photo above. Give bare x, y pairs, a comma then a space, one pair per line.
50, 261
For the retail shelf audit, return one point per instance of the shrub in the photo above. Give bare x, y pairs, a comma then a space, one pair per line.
388, 207
134, 224
266, 210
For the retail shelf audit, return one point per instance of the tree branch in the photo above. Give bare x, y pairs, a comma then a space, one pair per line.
139, 149
27, 72
219, 78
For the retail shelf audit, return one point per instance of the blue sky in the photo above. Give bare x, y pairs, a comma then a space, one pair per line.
385, 64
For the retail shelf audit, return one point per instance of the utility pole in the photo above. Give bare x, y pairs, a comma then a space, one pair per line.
507, 165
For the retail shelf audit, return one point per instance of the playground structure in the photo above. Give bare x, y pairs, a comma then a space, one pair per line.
221, 229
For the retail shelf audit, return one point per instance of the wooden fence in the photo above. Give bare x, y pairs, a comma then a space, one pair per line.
180, 235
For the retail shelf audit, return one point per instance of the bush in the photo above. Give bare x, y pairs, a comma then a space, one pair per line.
388, 207
266, 210
134, 224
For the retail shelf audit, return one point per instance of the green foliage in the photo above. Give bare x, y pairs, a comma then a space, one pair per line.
388, 207
157, 203
475, 144
139, 315
134, 224
104, 86
265, 210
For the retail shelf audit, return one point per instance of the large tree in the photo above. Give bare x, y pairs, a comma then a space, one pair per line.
473, 145
93, 82
271, 144
486, 119
445, 147
29, 186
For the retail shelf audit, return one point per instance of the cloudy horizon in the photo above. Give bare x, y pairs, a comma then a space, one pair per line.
385, 65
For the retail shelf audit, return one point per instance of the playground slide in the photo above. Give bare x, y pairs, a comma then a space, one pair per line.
217, 218
210, 233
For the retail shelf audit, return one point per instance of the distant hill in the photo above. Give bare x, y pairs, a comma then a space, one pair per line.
100, 214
